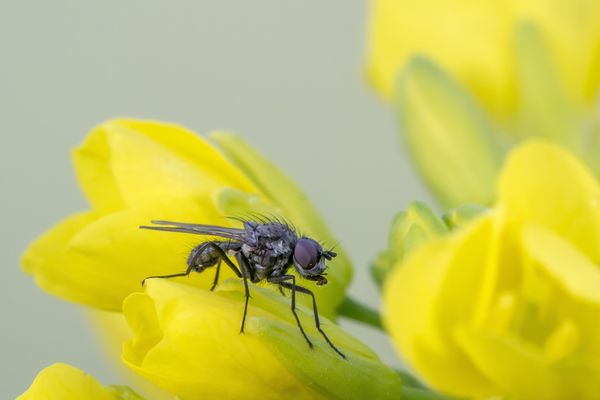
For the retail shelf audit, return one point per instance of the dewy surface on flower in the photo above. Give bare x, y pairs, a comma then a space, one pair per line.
64, 382
475, 41
187, 341
509, 302
134, 171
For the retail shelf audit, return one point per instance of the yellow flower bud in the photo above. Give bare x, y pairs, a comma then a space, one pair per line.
450, 138
417, 224
134, 171
64, 382
508, 303
187, 341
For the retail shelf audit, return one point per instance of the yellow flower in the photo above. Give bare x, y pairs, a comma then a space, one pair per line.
471, 79
475, 41
64, 382
134, 171
187, 341
508, 303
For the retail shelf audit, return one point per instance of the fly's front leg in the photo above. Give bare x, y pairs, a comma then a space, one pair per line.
245, 268
314, 301
281, 281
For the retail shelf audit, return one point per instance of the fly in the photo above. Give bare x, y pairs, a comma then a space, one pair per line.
264, 250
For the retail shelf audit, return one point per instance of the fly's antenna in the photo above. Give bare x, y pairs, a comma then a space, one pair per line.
335, 245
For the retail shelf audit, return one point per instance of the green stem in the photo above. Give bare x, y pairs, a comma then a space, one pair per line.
352, 309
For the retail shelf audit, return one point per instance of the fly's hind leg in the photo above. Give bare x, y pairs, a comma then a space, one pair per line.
200, 260
186, 273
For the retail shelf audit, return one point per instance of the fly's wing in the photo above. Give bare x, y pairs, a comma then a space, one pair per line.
197, 229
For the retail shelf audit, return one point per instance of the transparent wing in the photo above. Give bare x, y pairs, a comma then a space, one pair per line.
197, 229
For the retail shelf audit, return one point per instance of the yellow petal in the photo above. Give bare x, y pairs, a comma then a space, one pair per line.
520, 370
123, 162
572, 30
572, 270
112, 331
102, 260
45, 257
64, 382
543, 184
473, 44
425, 294
187, 341
476, 45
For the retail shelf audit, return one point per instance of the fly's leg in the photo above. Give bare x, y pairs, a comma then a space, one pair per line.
243, 263
301, 289
186, 273
216, 280
281, 281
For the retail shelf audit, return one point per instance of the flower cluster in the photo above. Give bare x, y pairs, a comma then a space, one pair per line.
496, 298
186, 338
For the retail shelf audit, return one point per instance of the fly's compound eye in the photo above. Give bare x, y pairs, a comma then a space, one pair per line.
306, 253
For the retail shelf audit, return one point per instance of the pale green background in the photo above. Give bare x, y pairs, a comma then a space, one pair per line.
287, 75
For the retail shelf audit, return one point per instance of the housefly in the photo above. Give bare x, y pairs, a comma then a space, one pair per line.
265, 250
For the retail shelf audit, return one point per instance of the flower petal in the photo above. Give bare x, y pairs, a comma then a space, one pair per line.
473, 44
564, 263
543, 184
44, 258
123, 162
64, 382
425, 293
519, 369
109, 256
188, 342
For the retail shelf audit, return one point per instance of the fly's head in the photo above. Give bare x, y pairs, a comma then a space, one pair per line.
309, 259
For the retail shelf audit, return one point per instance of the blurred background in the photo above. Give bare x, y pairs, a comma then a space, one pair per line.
287, 75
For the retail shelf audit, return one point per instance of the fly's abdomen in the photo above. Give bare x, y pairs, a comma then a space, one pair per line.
208, 254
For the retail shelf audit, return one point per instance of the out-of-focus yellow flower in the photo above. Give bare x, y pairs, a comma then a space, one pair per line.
471, 79
187, 341
509, 302
475, 41
134, 171
64, 382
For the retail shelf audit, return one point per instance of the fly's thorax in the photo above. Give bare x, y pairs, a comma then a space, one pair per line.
268, 246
